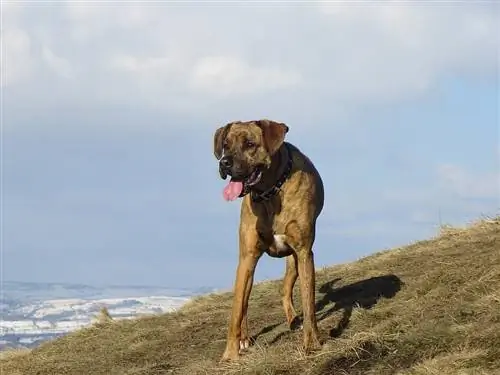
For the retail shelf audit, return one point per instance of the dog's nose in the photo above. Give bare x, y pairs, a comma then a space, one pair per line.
226, 162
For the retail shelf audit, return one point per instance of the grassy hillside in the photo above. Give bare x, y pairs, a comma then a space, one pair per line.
429, 308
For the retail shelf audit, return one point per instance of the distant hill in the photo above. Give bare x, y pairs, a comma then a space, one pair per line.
432, 307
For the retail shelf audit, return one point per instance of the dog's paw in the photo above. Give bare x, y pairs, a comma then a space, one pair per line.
244, 344
312, 344
231, 353
230, 356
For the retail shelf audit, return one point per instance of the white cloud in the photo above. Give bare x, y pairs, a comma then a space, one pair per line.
232, 76
17, 63
469, 185
88, 21
59, 65
141, 65
392, 50
208, 58
456, 194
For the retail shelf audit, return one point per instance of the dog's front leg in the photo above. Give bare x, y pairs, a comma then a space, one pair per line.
245, 337
242, 289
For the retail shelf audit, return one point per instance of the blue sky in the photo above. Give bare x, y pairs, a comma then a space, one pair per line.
109, 114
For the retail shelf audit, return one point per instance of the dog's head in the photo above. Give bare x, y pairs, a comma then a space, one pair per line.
244, 151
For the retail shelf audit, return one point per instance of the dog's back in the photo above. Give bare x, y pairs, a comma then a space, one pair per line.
305, 179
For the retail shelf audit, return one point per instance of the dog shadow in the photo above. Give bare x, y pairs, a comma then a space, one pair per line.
263, 331
361, 294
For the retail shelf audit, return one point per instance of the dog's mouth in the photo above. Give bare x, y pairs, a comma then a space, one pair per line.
253, 178
235, 187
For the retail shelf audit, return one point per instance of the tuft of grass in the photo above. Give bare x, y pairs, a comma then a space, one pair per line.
432, 307
104, 317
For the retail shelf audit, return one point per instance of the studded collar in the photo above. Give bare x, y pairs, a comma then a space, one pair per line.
263, 196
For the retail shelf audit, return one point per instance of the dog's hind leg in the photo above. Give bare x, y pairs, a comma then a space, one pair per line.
307, 284
301, 239
289, 280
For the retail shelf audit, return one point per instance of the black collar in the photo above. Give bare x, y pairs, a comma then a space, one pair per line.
258, 196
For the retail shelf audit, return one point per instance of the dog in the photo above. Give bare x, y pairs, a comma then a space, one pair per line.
283, 195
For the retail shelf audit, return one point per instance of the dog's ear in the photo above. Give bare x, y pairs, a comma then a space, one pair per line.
219, 138
274, 134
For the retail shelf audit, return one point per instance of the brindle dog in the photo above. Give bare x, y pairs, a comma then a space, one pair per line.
282, 197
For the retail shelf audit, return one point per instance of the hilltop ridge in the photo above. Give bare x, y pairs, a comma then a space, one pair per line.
432, 307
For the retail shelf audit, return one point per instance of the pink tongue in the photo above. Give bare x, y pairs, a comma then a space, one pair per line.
232, 190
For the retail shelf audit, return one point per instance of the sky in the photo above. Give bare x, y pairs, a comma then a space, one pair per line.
109, 110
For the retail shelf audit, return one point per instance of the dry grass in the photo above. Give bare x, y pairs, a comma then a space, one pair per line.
429, 308
13, 353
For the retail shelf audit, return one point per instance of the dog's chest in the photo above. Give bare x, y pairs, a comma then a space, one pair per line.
279, 247
280, 242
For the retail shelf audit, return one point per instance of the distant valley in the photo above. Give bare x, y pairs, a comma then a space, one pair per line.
35, 312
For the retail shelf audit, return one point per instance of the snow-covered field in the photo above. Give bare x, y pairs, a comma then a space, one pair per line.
33, 312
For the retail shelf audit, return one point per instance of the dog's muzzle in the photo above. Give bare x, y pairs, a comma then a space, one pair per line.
225, 165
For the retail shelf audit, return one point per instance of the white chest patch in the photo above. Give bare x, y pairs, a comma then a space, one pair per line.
280, 242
